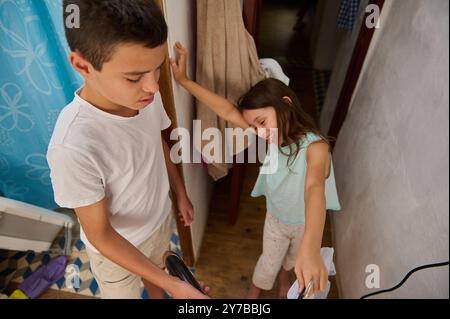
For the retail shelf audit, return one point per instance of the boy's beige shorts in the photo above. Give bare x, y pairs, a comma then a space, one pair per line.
116, 282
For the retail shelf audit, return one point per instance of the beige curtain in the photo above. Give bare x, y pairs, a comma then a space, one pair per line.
227, 63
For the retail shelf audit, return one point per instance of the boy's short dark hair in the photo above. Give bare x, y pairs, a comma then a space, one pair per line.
107, 23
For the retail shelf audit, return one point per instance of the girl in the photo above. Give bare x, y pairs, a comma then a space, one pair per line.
297, 194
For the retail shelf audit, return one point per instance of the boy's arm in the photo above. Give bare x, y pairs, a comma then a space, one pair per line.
95, 223
222, 107
310, 265
184, 205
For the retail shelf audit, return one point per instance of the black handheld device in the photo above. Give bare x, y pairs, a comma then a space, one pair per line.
176, 267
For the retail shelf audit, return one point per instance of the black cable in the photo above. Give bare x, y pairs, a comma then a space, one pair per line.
406, 278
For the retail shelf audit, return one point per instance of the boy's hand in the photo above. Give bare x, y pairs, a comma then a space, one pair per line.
179, 65
183, 290
185, 210
310, 267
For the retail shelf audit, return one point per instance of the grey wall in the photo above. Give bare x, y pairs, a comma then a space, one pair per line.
392, 158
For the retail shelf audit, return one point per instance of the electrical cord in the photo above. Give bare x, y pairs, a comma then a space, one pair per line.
406, 278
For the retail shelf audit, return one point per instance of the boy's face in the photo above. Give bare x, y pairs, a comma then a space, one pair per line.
130, 78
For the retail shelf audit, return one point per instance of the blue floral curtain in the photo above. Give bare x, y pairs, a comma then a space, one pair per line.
36, 82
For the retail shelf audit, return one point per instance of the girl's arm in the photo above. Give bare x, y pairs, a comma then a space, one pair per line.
309, 265
222, 107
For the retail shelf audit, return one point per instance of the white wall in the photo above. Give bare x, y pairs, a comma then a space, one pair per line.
180, 16
392, 158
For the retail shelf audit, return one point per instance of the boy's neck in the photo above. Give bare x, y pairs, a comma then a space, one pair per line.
91, 96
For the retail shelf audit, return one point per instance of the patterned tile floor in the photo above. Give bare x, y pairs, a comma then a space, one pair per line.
17, 266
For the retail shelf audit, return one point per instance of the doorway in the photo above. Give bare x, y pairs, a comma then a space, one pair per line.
292, 33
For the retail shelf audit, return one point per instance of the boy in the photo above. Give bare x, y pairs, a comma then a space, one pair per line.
107, 158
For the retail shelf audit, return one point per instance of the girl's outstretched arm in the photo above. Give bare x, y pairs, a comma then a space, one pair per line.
219, 105
309, 265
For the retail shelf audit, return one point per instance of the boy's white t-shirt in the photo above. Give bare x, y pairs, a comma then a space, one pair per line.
94, 155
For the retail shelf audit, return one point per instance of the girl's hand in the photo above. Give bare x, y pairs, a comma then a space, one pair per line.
310, 267
185, 210
179, 65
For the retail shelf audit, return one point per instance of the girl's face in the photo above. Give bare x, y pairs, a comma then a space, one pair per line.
264, 120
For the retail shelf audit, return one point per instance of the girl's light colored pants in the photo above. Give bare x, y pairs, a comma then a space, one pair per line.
281, 243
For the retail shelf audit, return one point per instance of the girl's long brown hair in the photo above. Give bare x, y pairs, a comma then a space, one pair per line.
293, 122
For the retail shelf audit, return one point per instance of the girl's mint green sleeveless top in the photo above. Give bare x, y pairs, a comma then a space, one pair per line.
284, 187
